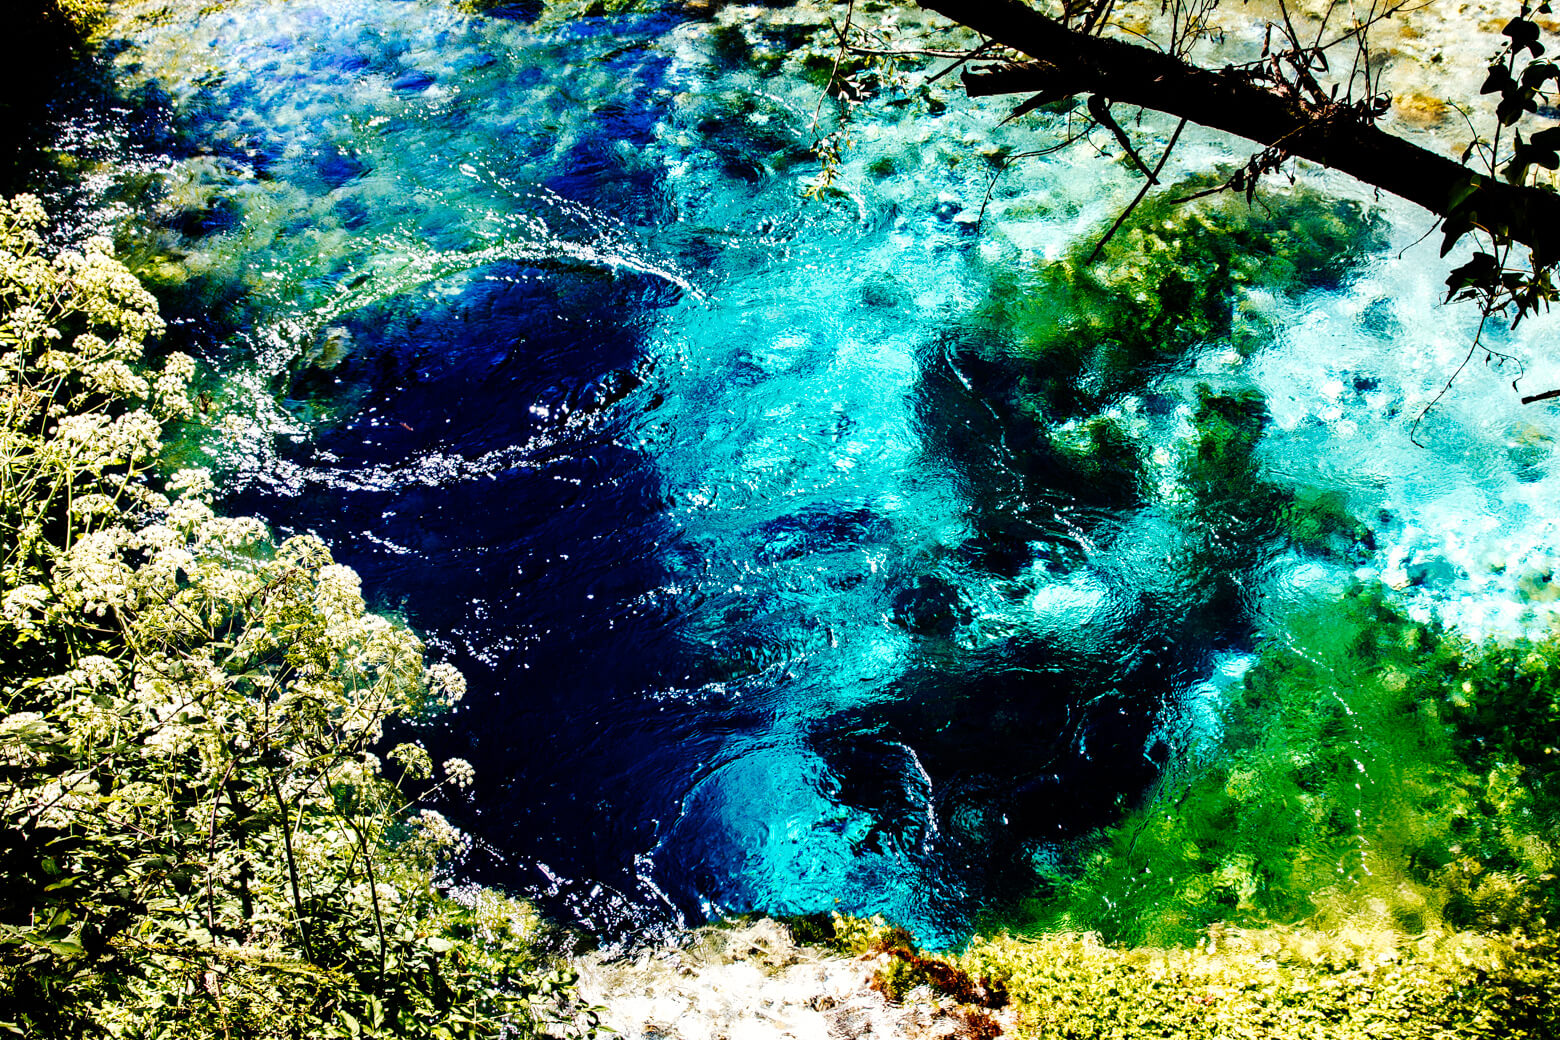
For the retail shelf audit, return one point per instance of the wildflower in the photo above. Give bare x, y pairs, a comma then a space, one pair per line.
460, 772
96, 671
114, 377
414, 759
192, 483
446, 684
438, 831
21, 603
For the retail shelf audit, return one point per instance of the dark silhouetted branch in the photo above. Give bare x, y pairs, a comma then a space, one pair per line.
1066, 62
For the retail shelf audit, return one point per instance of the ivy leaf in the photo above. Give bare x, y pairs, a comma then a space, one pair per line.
1479, 274
1499, 80
1524, 35
1538, 73
1456, 225
1464, 191
1542, 149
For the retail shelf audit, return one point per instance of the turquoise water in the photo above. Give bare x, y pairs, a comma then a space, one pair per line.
769, 598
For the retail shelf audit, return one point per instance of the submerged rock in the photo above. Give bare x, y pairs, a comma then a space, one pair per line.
755, 982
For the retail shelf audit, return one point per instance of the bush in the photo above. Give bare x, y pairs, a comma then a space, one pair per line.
1278, 984
198, 836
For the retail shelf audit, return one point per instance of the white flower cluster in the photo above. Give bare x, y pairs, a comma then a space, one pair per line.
93, 441
362, 771
194, 484
439, 832
20, 735
57, 804
84, 507
186, 515
97, 672
304, 550
24, 215
338, 593
231, 532
414, 759
20, 605
445, 683
460, 772
27, 324
110, 296
115, 377
93, 577
170, 390
387, 894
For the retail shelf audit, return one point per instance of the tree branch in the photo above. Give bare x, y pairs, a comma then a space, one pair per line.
1066, 62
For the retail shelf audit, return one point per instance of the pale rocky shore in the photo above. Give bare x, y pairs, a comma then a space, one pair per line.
754, 982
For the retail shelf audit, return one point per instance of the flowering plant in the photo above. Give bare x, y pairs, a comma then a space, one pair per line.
198, 836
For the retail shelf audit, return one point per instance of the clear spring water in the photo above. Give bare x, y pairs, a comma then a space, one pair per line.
764, 603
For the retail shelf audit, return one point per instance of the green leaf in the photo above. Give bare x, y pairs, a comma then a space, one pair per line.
1498, 81
1523, 34
1464, 191
1538, 73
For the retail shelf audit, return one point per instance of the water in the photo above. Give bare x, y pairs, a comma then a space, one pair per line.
767, 599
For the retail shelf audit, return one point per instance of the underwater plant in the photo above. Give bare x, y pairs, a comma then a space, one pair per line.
1173, 278
1367, 764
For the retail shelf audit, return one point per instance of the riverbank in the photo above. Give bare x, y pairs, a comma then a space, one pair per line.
753, 981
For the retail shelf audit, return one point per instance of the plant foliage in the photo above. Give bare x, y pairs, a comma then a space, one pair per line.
199, 839
1368, 767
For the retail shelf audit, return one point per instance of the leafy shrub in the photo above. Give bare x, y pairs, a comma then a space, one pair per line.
1278, 984
199, 839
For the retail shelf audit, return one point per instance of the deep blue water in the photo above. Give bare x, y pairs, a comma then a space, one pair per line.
766, 600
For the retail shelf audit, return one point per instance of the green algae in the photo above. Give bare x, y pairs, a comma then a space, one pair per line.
1231, 512
1104, 452
1367, 765
1175, 276
1095, 353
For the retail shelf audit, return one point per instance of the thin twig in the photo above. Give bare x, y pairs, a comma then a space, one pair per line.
1153, 178
1413, 431
834, 71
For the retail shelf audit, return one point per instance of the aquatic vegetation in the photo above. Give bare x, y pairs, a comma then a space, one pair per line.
199, 837
1230, 509
1368, 765
1104, 452
1173, 277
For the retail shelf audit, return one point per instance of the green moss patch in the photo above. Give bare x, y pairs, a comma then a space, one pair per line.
1367, 765
1173, 277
